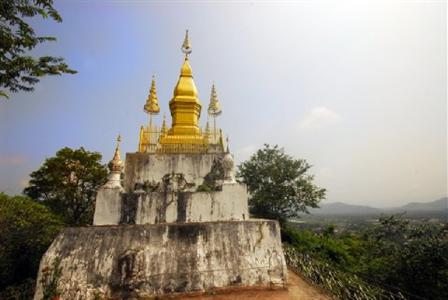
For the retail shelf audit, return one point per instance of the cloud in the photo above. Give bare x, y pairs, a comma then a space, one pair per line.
319, 117
12, 160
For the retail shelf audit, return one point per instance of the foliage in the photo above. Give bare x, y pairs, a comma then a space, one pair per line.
19, 71
328, 249
26, 230
67, 184
341, 284
279, 185
204, 188
50, 278
396, 256
412, 256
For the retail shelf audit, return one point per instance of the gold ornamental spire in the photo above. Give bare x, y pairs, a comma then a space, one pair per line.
116, 165
163, 130
214, 107
214, 110
152, 103
184, 135
185, 106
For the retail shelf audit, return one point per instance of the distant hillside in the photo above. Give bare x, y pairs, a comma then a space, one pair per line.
437, 205
339, 208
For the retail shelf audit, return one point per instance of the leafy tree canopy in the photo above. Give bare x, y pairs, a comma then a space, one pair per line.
413, 256
27, 228
67, 184
279, 185
19, 71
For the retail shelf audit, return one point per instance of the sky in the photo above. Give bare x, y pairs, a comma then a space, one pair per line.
357, 88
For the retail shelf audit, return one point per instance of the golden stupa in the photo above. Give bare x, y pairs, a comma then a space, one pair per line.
185, 135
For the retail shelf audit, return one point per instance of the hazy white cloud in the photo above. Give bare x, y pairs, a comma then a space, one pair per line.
319, 117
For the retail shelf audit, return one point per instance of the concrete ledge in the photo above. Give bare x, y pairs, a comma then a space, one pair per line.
129, 261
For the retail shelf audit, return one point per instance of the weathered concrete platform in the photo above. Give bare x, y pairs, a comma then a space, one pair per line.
113, 207
151, 167
137, 261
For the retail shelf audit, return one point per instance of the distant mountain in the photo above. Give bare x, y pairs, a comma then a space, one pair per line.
340, 208
437, 205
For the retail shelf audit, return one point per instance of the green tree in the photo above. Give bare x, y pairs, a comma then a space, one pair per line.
27, 228
279, 185
19, 71
412, 256
67, 184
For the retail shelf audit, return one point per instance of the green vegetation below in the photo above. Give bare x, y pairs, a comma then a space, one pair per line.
394, 259
27, 228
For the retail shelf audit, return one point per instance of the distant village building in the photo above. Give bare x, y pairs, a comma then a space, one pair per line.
177, 222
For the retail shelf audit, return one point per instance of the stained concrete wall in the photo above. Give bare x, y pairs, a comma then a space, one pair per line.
114, 207
141, 167
107, 206
123, 262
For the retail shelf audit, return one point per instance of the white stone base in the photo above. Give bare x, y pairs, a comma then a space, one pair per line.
114, 207
141, 167
123, 262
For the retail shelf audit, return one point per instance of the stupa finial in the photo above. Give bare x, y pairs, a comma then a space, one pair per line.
152, 103
116, 165
186, 46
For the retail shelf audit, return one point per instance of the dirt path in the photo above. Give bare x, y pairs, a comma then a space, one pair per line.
298, 289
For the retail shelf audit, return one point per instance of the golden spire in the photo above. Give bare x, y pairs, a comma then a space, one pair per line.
152, 103
185, 106
163, 129
184, 136
116, 165
214, 108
